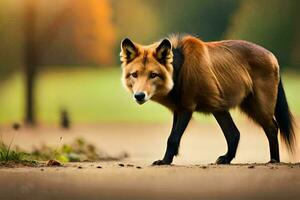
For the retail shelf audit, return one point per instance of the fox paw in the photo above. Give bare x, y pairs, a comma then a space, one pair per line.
272, 161
222, 160
160, 162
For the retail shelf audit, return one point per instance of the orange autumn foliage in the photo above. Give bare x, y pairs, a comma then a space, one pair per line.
94, 32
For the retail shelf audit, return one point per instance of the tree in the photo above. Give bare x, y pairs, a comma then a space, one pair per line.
33, 49
86, 35
207, 19
83, 27
31, 60
11, 36
94, 34
270, 23
137, 19
295, 56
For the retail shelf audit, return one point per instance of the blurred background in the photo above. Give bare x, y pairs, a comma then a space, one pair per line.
59, 59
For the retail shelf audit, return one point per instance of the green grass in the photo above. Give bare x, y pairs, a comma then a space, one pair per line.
89, 95
77, 151
12, 157
94, 95
291, 84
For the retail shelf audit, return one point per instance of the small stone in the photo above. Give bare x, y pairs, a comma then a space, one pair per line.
139, 167
130, 165
79, 167
42, 169
16, 126
53, 163
203, 167
99, 167
251, 166
121, 165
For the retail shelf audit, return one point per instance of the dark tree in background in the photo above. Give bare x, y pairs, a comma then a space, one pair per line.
207, 19
34, 46
10, 38
75, 31
273, 24
31, 60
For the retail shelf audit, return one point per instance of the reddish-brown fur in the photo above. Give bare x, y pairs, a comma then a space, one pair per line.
218, 76
212, 78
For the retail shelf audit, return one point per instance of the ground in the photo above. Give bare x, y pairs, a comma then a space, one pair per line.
191, 177
176, 182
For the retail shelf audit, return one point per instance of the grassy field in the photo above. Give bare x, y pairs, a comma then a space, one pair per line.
94, 95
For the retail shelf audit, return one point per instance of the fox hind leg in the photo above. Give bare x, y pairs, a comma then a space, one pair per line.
271, 132
261, 111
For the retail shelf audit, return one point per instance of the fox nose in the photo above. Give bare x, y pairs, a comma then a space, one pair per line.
139, 96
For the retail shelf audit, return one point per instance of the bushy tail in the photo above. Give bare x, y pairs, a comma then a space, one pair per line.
285, 119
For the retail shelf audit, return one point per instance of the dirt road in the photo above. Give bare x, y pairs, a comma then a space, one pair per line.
177, 182
192, 177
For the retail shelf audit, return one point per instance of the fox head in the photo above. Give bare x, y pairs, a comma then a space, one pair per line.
147, 70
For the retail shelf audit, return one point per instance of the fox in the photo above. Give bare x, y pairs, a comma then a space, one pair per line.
186, 75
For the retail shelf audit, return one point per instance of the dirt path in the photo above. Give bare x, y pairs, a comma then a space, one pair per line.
176, 182
192, 177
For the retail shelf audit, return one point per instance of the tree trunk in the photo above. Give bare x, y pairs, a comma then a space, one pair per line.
31, 61
30, 73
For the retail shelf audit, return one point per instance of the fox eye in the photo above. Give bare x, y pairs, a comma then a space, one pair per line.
153, 75
134, 74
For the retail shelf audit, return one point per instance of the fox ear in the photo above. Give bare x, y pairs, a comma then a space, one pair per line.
128, 50
164, 51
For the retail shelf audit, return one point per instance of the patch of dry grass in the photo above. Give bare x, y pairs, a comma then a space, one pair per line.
78, 151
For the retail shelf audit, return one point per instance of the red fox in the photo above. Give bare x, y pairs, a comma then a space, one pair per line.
188, 75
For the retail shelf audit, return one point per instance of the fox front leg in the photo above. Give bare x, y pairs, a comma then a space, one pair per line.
180, 122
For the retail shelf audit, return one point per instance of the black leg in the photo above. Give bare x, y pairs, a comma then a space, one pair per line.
271, 133
180, 122
231, 134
